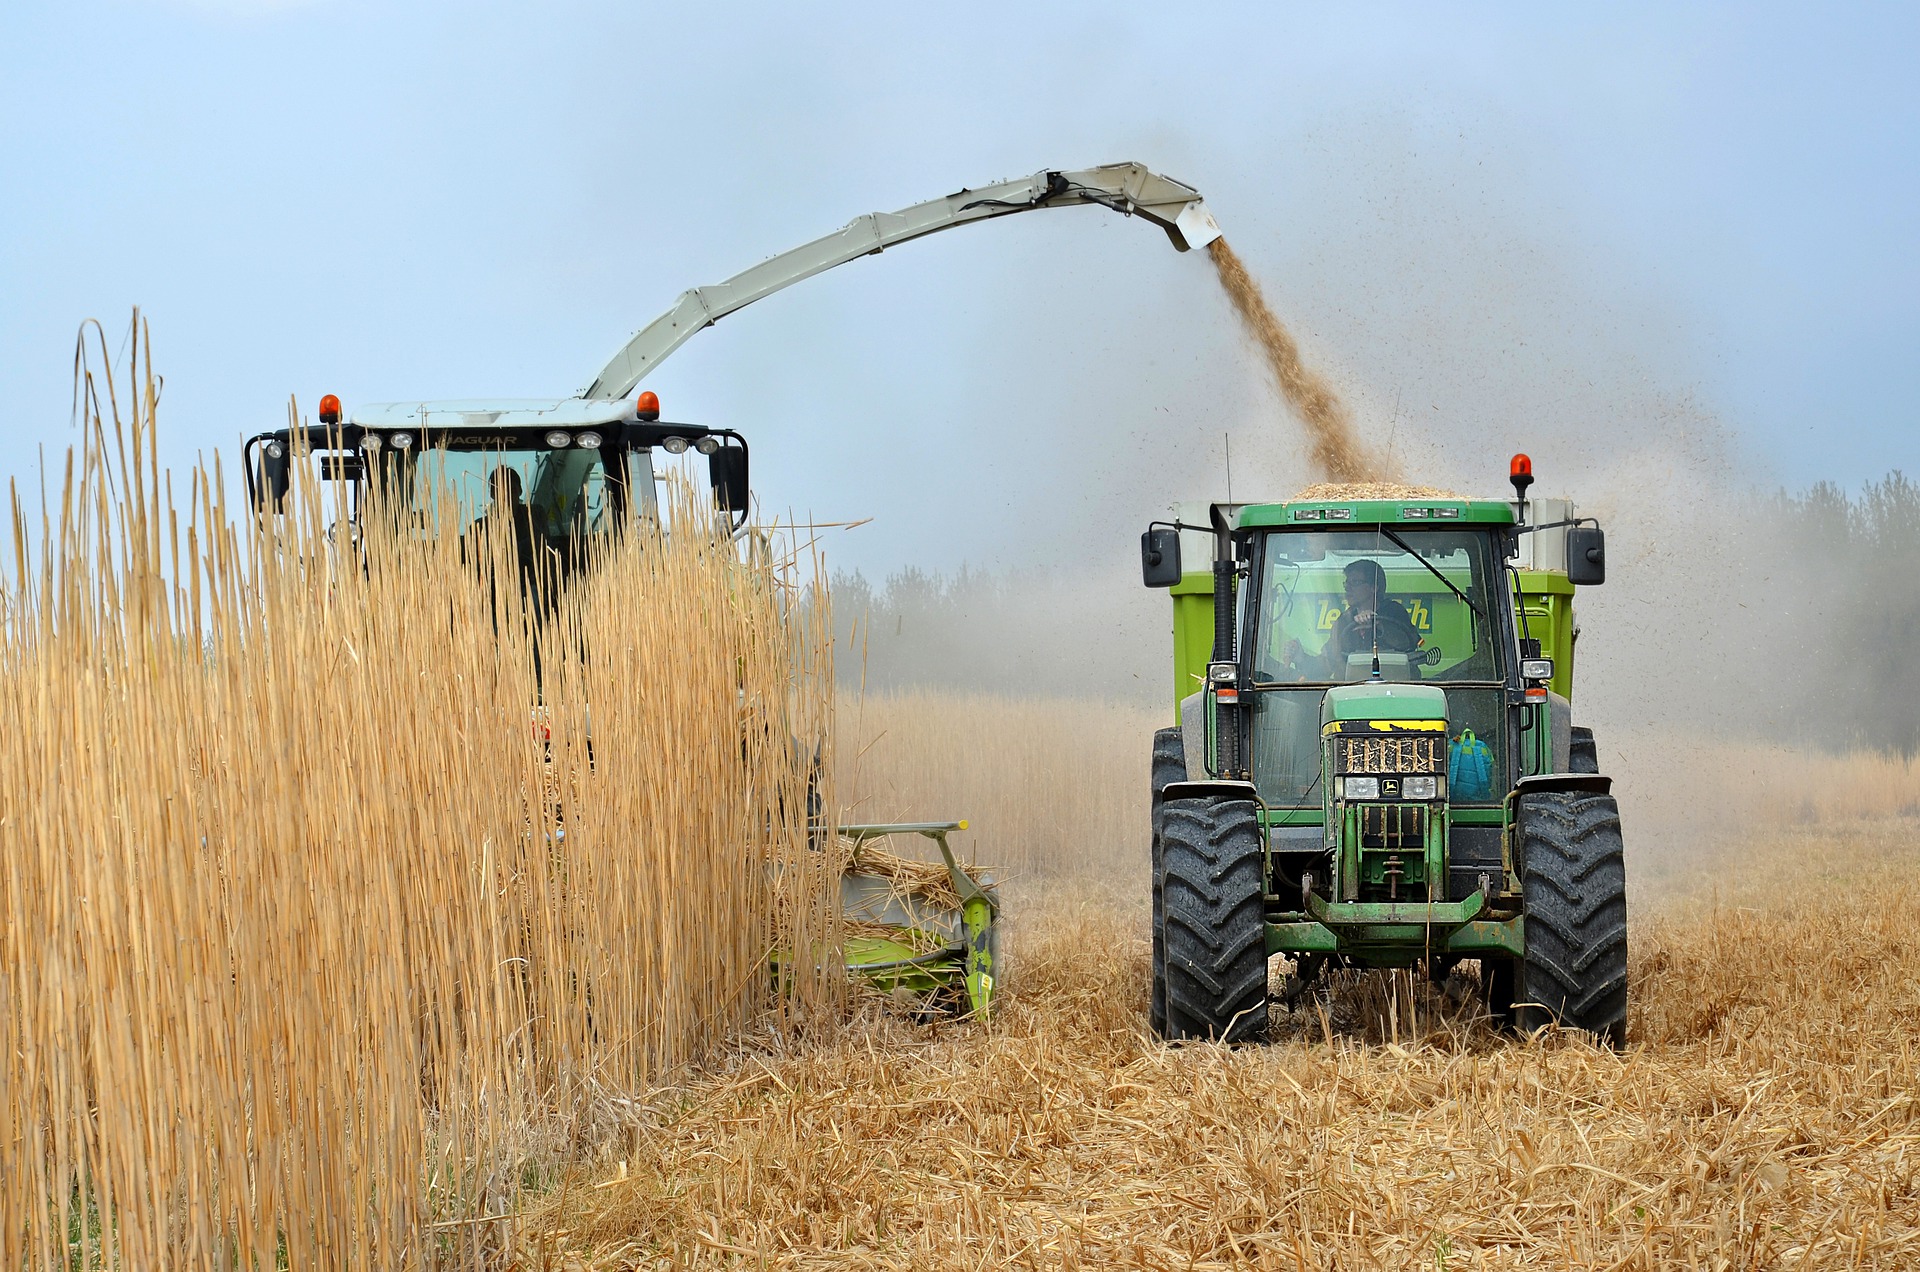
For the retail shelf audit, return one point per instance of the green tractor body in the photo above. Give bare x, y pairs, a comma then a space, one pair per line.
1375, 763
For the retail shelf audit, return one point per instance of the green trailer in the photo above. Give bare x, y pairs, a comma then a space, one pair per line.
1374, 761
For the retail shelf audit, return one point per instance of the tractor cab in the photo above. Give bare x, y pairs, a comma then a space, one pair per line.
572, 469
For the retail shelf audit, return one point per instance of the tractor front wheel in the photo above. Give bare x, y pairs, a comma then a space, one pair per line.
1211, 885
1169, 765
1574, 886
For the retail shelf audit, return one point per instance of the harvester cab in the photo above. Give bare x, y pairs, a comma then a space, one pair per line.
575, 466
1375, 762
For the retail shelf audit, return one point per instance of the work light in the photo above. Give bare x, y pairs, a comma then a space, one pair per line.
1360, 787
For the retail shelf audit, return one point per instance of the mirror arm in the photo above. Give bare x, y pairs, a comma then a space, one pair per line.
1555, 525
246, 469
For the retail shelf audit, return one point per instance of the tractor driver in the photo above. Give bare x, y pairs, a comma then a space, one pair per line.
1369, 615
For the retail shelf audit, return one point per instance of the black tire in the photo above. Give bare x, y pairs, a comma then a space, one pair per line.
1581, 756
1169, 765
1213, 919
1574, 888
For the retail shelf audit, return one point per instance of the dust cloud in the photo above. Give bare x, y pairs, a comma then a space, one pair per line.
1332, 442
1459, 316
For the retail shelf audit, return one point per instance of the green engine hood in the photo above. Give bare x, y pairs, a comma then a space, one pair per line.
1382, 700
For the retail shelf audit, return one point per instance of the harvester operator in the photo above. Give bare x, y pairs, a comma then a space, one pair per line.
1369, 615
509, 509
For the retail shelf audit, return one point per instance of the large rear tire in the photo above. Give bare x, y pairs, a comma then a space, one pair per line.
1169, 765
1574, 887
1213, 919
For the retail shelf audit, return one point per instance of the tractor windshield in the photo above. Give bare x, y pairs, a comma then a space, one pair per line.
1417, 599
1422, 601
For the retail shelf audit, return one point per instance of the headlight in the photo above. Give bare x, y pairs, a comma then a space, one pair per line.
401, 441
674, 445
588, 441
370, 443
1360, 787
1536, 669
275, 450
1421, 788
707, 445
558, 438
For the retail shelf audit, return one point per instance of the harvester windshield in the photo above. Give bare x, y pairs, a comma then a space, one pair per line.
564, 492
1421, 600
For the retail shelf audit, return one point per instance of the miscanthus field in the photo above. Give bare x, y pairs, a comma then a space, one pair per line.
322, 947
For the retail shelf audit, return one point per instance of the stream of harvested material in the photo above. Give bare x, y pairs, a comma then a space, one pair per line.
1336, 452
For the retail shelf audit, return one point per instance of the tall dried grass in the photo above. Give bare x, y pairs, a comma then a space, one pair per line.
314, 947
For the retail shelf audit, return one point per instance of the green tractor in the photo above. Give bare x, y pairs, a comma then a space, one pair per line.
1375, 763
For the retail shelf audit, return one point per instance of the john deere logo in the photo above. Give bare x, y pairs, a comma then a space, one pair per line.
1389, 788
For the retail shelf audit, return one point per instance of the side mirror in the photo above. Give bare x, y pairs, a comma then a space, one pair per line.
276, 473
727, 472
1160, 556
1586, 556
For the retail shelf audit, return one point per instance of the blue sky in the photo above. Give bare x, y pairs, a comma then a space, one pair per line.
1605, 235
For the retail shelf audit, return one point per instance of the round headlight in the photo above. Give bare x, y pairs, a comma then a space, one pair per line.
275, 450
588, 440
370, 442
707, 445
675, 445
558, 438
401, 441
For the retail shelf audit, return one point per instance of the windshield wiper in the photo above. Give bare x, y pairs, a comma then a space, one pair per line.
1408, 549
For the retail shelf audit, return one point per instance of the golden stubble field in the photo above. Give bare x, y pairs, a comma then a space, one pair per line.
1767, 1113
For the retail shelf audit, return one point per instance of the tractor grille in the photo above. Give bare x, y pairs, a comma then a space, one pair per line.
1393, 827
1421, 754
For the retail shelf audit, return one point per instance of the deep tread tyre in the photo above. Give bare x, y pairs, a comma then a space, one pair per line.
1574, 887
1581, 755
1213, 919
1169, 765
